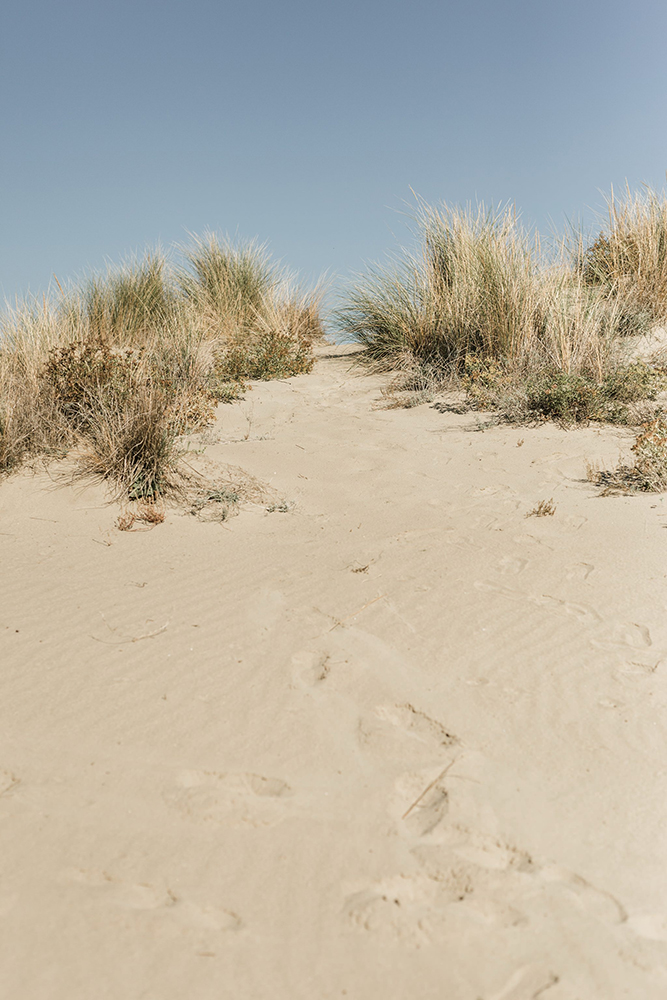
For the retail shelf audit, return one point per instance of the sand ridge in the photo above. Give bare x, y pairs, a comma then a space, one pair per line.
396, 740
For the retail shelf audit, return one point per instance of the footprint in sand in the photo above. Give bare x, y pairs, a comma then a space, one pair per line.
398, 906
8, 781
633, 644
512, 564
582, 612
421, 803
209, 796
310, 667
403, 732
579, 571
626, 635
142, 896
596, 901
440, 814
127, 895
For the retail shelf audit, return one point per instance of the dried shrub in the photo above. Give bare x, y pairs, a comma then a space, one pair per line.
84, 376
648, 473
267, 355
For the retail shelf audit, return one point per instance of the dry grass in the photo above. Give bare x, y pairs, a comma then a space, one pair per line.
124, 363
629, 256
264, 327
648, 473
545, 508
482, 306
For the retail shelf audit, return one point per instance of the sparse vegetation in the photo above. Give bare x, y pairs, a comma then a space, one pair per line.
545, 508
124, 363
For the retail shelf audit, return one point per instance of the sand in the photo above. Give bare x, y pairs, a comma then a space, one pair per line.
400, 741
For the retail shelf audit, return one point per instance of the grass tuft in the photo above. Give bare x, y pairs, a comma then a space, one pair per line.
482, 306
629, 256
124, 363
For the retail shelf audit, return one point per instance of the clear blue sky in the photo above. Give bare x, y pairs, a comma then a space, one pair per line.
128, 122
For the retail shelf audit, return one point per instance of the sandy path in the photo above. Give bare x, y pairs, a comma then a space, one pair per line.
399, 742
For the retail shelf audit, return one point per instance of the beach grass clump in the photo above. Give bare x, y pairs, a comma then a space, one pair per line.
481, 306
629, 256
470, 290
124, 363
132, 445
126, 305
264, 328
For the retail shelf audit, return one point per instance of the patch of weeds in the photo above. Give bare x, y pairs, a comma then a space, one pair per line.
214, 503
545, 508
268, 355
648, 474
558, 395
224, 391
282, 507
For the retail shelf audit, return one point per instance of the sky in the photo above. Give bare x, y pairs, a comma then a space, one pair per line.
309, 125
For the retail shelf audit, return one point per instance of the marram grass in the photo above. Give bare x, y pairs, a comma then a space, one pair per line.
123, 363
482, 305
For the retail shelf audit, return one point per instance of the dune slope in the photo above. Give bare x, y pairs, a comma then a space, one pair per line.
398, 741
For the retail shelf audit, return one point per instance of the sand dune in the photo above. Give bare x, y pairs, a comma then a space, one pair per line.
398, 741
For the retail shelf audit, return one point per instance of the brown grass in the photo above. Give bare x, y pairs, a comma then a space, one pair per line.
481, 305
545, 508
119, 366
648, 472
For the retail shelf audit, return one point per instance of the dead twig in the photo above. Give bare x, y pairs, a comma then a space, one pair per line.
428, 789
136, 638
355, 613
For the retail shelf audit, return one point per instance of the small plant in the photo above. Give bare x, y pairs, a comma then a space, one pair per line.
214, 503
545, 508
147, 513
648, 473
268, 355
150, 514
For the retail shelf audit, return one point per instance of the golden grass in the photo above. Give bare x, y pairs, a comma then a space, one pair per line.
122, 364
482, 305
629, 256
